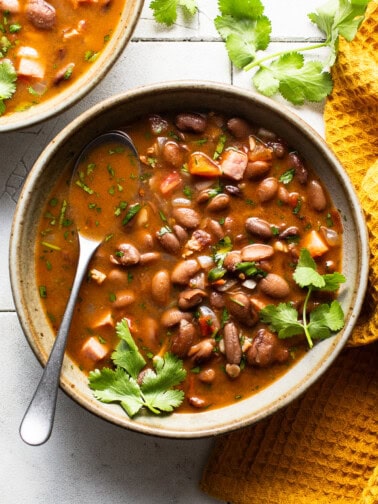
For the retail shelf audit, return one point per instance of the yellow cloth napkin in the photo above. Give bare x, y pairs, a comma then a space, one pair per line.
322, 449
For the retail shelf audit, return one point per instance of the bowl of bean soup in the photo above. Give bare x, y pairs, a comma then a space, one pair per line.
52, 55
232, 267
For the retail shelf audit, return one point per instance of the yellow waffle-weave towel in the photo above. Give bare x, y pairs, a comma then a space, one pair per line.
322, 449
351, 128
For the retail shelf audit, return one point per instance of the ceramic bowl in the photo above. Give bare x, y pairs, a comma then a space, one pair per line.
124, 108
83, 85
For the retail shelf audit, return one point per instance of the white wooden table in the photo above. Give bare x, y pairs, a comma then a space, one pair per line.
86, 459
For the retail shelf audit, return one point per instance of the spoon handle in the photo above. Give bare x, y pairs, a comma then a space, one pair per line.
36, 426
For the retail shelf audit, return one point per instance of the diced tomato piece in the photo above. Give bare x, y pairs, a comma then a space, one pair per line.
93, 349
315, 244
206, 325
200, 164
234, 163
171, 182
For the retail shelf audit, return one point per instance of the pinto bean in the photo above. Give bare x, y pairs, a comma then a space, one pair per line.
266, 349
158, 125
316, 197
183, 339
190, 298
184, 270
267, 189
256, 252
257, 169
289, 232
259, 227
63, 73
181, 233
169, 242
207, 375
173, 154
124, 298
279, 149
191, 122
197, 402
215, 228
239, 306
300, 171
233, 370
219, 202
274, 286
149, 257
126, 255
172, 316
203, 196
233, 190
232, 345
149, 327
238, 127
186, 217
202, 350
217, 301
160, 287
41, 14
283, 194
232, 259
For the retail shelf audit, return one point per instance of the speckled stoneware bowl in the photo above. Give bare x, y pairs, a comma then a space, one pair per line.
125, 108
71, 94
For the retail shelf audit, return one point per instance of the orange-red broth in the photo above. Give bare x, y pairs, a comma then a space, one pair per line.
118, 180
49, 60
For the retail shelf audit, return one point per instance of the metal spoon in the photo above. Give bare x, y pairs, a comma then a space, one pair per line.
36, 426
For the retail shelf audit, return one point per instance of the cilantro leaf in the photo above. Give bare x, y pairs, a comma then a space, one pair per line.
121, 386
8, 78
165, 11
242, 9
295, 79
333, 281
116, 386
127, 355
324, 319
221, 249
339, 17
305, 273
156, 386
282, 319
243, 37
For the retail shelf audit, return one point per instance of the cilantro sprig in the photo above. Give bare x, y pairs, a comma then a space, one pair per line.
246, 31
120, 385
322, 321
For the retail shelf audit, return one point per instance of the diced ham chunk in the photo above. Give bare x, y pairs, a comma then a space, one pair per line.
12, 6
105, 319
234, 163
29, 64
93, 349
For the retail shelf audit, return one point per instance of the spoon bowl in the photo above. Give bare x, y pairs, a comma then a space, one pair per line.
36, 426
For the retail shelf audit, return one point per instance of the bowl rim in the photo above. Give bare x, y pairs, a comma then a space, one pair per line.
210, 87
86, 82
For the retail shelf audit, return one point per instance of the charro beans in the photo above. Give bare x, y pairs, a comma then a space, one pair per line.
224, 214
